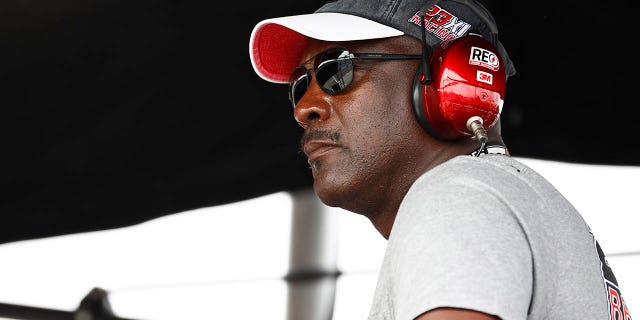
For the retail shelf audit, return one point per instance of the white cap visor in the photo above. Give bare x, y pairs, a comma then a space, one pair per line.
276, 45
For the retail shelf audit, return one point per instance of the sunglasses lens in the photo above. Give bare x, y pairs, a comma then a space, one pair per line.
334, 70
298, 84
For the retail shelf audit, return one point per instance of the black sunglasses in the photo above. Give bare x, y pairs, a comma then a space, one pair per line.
333, 69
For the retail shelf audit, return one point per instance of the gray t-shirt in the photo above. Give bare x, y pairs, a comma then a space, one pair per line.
489, 234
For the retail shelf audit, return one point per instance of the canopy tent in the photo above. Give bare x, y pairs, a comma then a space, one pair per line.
117, 112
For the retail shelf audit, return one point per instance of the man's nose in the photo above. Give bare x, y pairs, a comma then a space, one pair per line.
312, 107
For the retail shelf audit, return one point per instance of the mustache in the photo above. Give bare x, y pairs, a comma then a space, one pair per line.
333, 136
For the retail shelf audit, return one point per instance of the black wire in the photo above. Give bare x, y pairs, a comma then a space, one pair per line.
426, 70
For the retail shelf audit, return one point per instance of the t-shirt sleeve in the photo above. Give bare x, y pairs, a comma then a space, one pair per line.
458, 246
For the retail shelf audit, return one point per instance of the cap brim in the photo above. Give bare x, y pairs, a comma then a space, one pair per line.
277, 44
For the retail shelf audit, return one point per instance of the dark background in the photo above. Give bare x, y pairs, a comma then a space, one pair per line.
116, 112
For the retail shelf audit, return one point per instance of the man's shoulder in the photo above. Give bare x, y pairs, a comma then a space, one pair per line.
467, 180
462, 169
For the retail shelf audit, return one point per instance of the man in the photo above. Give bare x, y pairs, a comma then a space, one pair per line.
415, 146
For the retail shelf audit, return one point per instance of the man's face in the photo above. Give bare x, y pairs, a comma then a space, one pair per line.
363, 140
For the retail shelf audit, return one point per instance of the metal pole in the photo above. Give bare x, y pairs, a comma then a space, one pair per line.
313, 259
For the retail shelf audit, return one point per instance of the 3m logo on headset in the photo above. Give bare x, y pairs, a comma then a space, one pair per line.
485, 58
485, 77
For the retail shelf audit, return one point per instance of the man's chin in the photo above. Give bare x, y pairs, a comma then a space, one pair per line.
330, 194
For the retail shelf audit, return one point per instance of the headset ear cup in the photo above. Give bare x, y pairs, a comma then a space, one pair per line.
420, 104
468, 81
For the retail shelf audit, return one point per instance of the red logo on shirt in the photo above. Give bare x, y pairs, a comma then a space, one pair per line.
619, 310
617, 307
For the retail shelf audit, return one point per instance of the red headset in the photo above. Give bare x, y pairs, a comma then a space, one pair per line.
460, 86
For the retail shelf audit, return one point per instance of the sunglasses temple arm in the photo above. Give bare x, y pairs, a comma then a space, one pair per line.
380, 56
